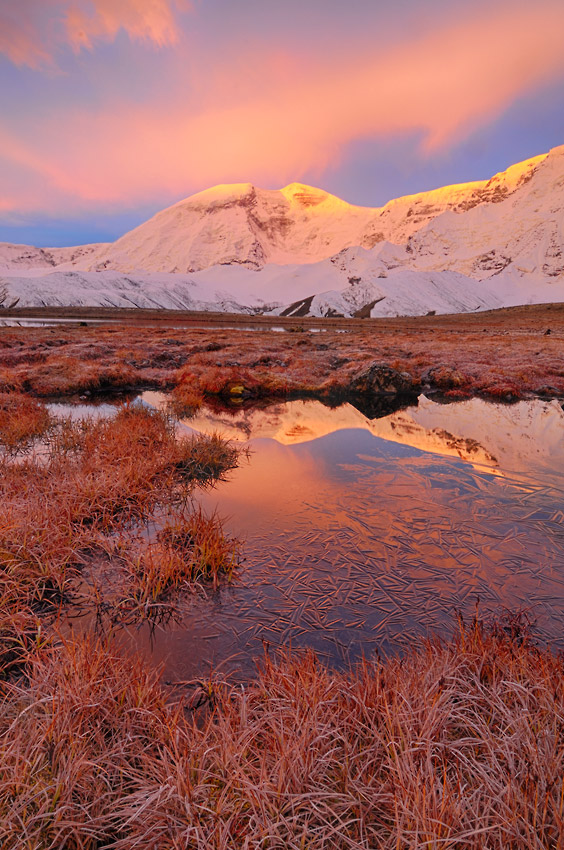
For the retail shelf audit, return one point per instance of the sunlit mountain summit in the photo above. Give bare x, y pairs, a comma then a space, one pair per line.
302, 251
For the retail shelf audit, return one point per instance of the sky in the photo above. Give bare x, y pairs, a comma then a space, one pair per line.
111, 110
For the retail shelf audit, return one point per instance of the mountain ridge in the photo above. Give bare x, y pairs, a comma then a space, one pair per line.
461, 247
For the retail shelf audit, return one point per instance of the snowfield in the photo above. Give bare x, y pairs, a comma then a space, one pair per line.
301, 251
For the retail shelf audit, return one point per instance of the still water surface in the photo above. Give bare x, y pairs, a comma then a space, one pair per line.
178, 324
360, 535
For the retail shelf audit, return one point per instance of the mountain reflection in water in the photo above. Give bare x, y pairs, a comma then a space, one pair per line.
360, 535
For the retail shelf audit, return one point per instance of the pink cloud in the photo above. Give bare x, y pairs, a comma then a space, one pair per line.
143, 20
6, 203
294, 115
31, 31
20, 38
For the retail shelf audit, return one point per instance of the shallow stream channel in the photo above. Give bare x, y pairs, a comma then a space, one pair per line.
361, 535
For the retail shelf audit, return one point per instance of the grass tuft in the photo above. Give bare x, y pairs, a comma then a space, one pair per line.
73, 737
99, 482
185, 400
458, 744
189, 551
22, 420
206, 458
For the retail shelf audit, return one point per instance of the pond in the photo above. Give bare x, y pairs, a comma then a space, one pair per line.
25, 322
362, 535
170, 323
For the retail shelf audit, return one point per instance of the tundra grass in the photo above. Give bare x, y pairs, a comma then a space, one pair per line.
22, 420
503, 354
90, 489
190, 549
460, 744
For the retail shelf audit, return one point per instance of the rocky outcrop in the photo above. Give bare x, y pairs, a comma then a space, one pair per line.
443, 377
381, 380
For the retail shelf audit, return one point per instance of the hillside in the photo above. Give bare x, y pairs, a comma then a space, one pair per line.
301, 251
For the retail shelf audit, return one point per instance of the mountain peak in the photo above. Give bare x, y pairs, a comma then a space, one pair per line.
463, 247
223, 193
462, 227
303, 195
514, 176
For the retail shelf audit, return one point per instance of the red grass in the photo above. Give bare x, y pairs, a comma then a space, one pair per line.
191, 549
99, 482
185, 400
73, 738
494, 354
22, 419
461, 744
20, 629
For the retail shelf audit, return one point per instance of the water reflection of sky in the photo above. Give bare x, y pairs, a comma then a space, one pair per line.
522, 440
170, 324
355, 543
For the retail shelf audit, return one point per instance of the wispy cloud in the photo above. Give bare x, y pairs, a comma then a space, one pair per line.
31, 31
292, 114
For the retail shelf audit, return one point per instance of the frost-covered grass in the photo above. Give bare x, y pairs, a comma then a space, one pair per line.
459, 744
505, 354
190, 550
86, 493
22, 419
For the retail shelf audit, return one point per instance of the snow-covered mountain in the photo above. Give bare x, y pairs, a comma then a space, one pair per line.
523, 230
17, 258
301, 251
239, 224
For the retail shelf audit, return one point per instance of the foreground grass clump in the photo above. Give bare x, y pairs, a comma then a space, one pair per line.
206, 458
460, 744
191, 549
74, 735
22, 419
92, 487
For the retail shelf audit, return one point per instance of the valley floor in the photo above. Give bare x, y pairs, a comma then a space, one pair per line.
502, 354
